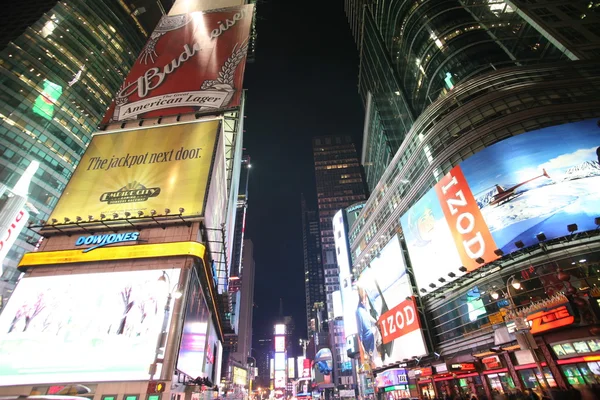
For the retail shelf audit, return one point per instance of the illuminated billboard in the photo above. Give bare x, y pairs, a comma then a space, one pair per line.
279, 343
240, 376
193, 350
9, 233
193, 62
44, 103
280, 379
83, 327
280, 329
291, 368
540, 181
142, 170
386, 311
279, 361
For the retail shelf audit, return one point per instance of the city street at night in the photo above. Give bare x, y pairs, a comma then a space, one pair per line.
264, 199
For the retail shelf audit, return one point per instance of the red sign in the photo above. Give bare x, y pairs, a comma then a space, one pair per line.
471, 234
399, 321
192, 62
546, 320
491, 362
427, 371
462, 367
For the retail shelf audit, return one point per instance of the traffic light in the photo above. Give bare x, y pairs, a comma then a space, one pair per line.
156, 387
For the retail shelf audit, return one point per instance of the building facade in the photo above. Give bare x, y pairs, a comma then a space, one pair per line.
465, 83
313, 270
165, 205
340, 183
60, 65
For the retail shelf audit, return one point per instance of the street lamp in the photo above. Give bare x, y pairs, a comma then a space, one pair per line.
176, 293
522, 327
250, 372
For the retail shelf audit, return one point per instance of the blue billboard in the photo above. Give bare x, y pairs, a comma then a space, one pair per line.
540, 181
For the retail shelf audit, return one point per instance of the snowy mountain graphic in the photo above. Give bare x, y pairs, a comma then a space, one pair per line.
584, 170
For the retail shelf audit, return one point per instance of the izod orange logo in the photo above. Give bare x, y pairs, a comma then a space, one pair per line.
399, 321
545, 320
471, 235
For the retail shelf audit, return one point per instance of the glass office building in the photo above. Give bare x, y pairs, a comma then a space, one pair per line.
57, 79
482, 89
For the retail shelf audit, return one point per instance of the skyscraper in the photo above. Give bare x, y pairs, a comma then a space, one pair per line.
177, 300
60, 64
246, 305
339, 184
407, 63
313, 270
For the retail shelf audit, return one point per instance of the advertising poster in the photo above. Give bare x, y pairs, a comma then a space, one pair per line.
540, 181
83, 327
142, 170
388, 324
192, 62
280, 379
211, 347
193, 352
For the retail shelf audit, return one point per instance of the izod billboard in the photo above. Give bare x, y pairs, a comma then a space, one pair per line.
540, 181
192, 62
389, 329
142, 170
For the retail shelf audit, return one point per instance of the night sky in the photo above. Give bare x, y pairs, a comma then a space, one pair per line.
302, 84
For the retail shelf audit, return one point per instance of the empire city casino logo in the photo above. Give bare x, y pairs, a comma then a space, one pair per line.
130, 193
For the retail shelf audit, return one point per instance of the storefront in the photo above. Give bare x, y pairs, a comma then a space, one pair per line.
460, 379
497, 375
392, 384
424, 378
578, 360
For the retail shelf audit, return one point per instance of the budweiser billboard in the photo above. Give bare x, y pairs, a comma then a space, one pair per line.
192, 62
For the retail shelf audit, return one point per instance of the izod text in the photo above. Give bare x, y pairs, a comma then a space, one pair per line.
471, 235
399, 321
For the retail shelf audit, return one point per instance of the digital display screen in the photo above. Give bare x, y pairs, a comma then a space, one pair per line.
385, 295
195, 329
279, 361
475, 305
83, 327
539, 181
280, 329
280, 379
279, 343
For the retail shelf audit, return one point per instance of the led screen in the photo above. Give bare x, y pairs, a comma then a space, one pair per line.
291, 368
280, 379
386, 311
195, 328
279, 343
279, 361
211, 346
280, 329
240, 376
44, 103
83, 327
540, 181
475, 306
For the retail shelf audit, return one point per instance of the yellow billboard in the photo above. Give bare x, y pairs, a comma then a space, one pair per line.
142, 170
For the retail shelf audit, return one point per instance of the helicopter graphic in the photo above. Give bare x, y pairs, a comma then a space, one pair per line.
506, 195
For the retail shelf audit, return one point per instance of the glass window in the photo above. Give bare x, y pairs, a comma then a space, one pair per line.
581, 347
